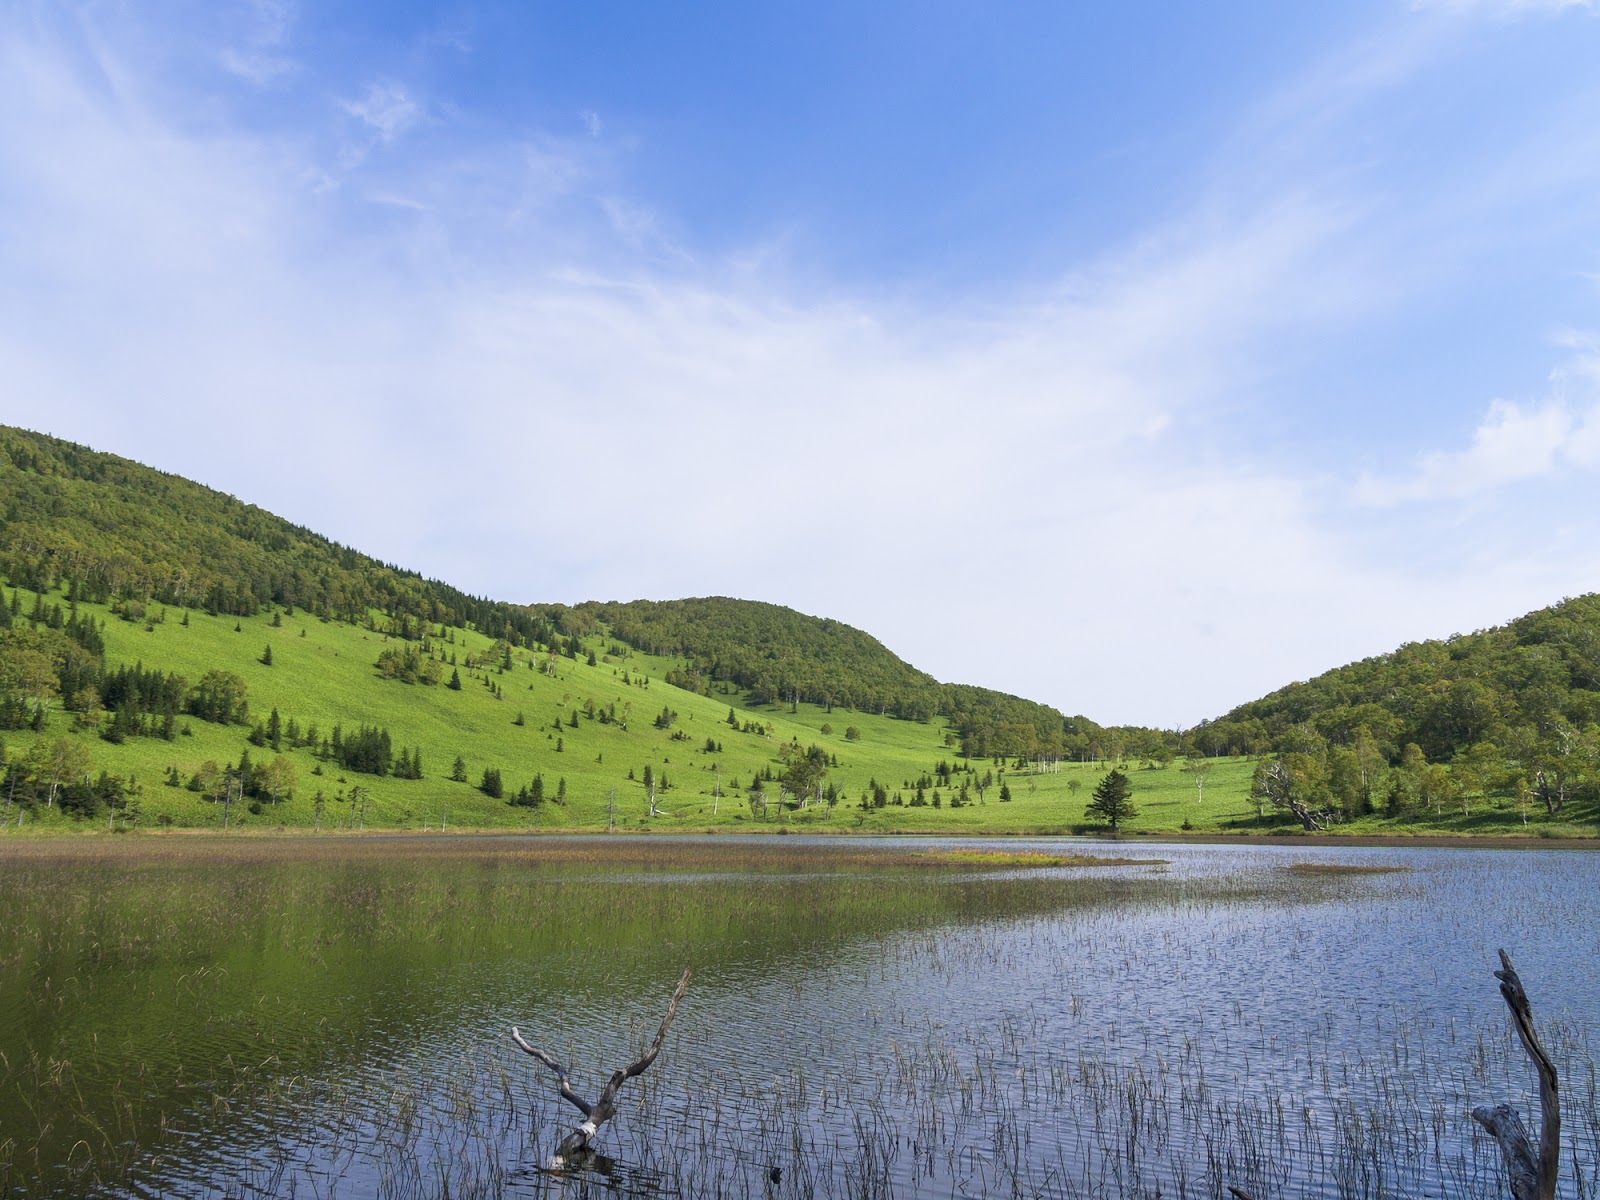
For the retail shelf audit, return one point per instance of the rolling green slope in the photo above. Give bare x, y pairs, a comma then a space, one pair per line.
325, 673
135, 600
777, 655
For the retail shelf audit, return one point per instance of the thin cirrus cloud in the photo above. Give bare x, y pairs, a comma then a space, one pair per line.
386, 107
257, 51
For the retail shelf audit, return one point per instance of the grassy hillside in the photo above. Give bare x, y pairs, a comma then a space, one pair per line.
139, 603
324, 673
777, 655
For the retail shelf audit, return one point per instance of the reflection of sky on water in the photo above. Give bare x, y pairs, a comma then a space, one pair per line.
989, 1050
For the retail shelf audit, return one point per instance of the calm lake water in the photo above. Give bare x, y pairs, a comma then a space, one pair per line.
330, 1019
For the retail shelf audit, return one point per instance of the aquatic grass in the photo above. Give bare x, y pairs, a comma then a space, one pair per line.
861, 1024
968, 856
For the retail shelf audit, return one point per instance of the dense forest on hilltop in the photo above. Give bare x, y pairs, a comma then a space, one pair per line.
1513, 706
117, 529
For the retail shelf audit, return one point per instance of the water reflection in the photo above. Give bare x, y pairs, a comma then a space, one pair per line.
854, 1027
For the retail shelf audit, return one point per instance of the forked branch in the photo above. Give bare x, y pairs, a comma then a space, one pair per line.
1531, 1178
602, 1110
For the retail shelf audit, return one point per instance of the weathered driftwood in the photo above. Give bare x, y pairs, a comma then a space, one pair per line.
1531, 1178
603, 1109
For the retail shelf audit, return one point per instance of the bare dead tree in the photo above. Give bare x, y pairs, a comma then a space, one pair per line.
1531, 1179
603, 1109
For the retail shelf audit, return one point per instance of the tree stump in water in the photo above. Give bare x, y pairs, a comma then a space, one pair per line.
1531, 1178
602, 1110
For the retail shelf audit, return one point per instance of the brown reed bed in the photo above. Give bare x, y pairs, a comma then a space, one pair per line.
1031, 858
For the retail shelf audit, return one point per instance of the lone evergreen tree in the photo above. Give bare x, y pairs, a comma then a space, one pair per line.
266, 657
1112, 799
455, 681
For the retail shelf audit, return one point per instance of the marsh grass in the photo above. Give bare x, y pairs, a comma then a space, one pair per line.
221, 1017
967, 856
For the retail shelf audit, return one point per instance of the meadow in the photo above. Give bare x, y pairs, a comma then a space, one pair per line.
590, 733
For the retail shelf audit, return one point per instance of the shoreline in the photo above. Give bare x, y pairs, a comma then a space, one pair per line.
1487, 841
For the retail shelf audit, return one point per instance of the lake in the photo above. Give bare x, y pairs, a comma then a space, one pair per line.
329, 1017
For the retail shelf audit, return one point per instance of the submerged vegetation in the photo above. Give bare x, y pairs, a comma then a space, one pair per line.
863, 1023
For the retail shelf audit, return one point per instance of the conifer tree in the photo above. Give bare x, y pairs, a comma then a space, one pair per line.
1112, 799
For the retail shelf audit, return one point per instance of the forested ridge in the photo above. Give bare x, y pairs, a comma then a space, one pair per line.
116, 529
1532, 675
1512, 708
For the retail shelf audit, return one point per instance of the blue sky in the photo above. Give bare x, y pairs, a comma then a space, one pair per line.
1135, 358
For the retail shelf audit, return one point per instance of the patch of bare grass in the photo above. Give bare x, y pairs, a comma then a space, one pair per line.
1316, 868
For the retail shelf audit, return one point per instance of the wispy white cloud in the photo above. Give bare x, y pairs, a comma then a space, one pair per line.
386, 107
255, 67
258, 56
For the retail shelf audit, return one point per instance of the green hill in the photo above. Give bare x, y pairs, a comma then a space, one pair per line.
1511, 709
174, 654
778, 656
111, 527
170, 655
1507, 685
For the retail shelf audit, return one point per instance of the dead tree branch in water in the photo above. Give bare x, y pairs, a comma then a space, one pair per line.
603, 1109
1531, 1179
